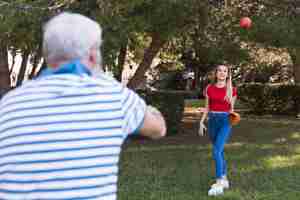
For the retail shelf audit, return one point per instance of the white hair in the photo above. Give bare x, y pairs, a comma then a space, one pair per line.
70, 36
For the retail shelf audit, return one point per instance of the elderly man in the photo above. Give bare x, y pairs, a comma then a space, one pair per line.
61, 134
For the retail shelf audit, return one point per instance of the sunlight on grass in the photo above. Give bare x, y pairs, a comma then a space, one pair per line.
295, 135
280, 140
236, 144
297, 149
282, 161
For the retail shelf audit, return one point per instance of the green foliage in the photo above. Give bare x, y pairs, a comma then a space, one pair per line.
274, 99
171, 104
199, 34
130, 24
21, 24
172, 80
204, 45
165, 17
285, 98
275, 22
134, 22
254, 97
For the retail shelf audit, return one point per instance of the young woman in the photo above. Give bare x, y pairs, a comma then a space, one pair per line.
220, 98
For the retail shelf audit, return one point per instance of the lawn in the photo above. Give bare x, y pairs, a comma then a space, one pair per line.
263, 157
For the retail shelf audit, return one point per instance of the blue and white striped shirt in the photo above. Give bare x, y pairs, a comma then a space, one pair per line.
61, 137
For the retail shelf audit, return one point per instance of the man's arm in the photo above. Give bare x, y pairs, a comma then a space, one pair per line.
140, 118
154, 125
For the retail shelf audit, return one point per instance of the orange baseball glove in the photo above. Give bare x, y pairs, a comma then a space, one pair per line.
234, 118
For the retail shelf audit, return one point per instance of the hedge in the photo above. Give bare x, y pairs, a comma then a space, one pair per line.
171, 105
270, 99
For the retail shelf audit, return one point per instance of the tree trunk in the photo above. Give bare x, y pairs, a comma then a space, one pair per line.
44, 66
4, 71
21, 74
34, 68
121, 61
295, 56
37, 57
13, 53
149, 55
197, 77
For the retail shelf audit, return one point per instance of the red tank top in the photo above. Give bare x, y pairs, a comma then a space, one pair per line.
216, 101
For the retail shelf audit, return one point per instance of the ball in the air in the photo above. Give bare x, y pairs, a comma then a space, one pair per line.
245, 22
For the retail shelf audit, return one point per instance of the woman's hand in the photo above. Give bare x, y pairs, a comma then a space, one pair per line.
202, 109
202, 129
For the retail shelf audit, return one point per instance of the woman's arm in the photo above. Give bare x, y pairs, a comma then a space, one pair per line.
234, 97
205, 111
233, 103
202, 127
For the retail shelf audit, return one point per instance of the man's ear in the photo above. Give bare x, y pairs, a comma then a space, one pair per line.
93, 57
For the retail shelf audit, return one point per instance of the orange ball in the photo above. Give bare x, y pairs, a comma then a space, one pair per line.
245, 23
234, 118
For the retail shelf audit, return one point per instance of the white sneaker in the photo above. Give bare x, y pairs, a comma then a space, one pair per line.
225, 183
216, 189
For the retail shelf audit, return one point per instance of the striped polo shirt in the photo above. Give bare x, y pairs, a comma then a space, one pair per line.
61, 137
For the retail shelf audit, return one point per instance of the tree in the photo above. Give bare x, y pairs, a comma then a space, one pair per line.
20, 29
277, 24
169, 19
206, 45
4, 71
138, 24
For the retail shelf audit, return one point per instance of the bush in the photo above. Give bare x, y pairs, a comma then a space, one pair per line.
170, 103
270, 99
170, 81
282, 101
254, 96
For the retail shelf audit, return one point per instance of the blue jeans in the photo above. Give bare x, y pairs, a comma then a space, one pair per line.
219, 131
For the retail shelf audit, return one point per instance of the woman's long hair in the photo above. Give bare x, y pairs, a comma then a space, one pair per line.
229, 96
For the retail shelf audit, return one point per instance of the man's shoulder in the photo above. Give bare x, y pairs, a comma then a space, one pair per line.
67, 84
16, 90
105, 80
100, 80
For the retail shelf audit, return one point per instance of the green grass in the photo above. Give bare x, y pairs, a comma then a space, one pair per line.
195, 103
263, 158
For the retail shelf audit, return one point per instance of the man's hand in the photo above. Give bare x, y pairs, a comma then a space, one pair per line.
154, 110
154, 123
202, 128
